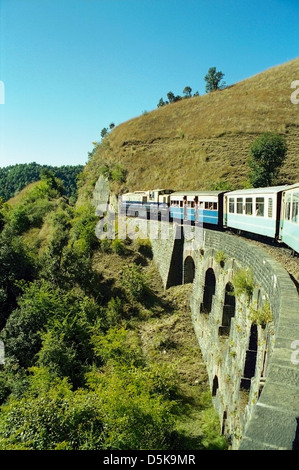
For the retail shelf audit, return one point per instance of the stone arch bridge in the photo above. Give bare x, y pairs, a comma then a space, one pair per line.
245, 312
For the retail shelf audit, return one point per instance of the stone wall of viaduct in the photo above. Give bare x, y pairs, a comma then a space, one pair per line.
253, 366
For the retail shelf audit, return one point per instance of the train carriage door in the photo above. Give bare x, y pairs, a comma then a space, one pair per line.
225, 210
281, 213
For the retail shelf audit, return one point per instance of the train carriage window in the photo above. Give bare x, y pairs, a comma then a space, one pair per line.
212, 206
288, 210
248, 206
270, 207
231, 205
239, 205
260, 206
295, 209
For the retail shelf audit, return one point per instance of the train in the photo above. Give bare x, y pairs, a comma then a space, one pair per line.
271, 212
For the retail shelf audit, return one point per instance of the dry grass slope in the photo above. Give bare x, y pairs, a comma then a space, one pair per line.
195, 142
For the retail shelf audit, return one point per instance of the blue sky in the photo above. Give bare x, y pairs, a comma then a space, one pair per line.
71, 67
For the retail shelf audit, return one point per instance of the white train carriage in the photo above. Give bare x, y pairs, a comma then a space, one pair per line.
254, 210
289, 217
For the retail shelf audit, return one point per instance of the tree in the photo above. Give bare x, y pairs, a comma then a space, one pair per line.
187, 91
213, 80
104, 132
162, 103
268, 153
170, 97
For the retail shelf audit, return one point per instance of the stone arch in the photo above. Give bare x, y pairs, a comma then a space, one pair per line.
215, 386
229, 309
250, 358
189, 270
209, 291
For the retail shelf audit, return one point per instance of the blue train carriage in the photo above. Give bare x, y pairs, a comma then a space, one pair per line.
289, 219
197, 207
143, 203
133, 203
255, 210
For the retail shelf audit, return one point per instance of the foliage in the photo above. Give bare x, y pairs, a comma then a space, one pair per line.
113, 172
82, 233
221, 185
13, 178
243, 282
119, 346
133, 281
268, 153
118, 246
187, 91
120, 410
75, 374
261, 316
15, 265
213, 80
220, 257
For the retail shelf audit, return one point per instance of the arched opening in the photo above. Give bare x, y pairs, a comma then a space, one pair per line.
215, 386
250, 359
209, 291
224, 419
229, 309
189, 270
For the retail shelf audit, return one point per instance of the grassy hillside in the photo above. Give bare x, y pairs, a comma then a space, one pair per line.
197, 141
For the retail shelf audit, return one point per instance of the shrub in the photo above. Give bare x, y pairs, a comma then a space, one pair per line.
220, 258
243, 282
118, 247
261, 316
133, 281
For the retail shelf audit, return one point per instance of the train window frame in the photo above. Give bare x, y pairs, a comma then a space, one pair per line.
211, 206
231, 205
295, 213
260, 206
249, 205
239, 205
270, 208
288, 212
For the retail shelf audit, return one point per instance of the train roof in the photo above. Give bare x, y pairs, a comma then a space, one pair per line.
196, 193
267, 190
292, 186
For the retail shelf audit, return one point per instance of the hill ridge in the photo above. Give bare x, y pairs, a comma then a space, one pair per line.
200, 140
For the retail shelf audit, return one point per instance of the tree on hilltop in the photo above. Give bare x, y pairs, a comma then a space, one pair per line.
213, 80
187, 91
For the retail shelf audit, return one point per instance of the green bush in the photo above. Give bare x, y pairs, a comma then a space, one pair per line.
261, 316
243, 282
118, 246
133, 281
121, 409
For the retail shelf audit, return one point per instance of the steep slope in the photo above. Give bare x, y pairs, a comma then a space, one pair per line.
197, 141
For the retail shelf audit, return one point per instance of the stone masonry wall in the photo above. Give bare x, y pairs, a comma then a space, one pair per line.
252, 368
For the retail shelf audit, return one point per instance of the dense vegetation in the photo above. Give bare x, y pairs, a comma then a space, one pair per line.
14, 178
78, 372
